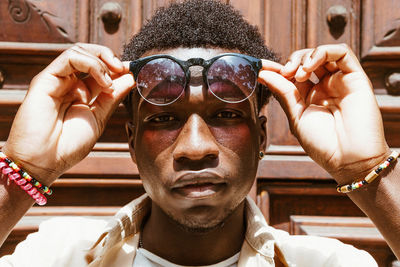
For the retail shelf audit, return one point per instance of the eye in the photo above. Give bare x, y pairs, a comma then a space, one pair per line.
228, 115
162, 118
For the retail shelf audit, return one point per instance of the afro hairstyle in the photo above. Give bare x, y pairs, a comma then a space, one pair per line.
198, 23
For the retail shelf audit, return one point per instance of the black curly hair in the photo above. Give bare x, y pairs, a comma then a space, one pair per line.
198, 23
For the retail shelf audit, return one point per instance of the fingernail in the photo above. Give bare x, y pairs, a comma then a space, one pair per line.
314, 78
108, 78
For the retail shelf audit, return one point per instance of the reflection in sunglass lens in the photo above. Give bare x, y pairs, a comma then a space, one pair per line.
231, 79
161, 81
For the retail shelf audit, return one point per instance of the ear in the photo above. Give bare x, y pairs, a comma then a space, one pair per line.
130, 131
263, 132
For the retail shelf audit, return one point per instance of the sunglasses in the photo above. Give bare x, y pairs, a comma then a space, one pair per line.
162, 79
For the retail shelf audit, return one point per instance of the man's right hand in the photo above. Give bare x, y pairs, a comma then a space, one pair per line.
63, 115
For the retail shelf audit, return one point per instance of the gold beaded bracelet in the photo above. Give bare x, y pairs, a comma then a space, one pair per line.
370, 177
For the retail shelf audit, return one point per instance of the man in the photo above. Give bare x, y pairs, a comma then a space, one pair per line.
196, 138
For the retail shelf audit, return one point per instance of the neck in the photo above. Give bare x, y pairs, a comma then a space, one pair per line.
164, 237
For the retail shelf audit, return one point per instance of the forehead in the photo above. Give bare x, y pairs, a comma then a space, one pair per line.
184, 53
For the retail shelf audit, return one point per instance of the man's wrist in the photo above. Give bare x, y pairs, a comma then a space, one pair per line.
359, 170
45, 176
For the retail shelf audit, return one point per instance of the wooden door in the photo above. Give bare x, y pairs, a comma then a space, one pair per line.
34, 32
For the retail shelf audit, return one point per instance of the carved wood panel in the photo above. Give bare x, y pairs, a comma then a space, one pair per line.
21, 61
380, 47
294, 24
283, 25
34, 32
43, 21
381, 29
333, 21
113, 23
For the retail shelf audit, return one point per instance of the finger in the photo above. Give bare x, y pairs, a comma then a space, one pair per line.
317, 96
93, 66
294, 62
304, 88
320, 73
125, 70
331, 67
271, 65
96, 89
310, 77
84, 52
286, 93
105, 104
341, 54
79, 95
301, 75
105, 54
68, 65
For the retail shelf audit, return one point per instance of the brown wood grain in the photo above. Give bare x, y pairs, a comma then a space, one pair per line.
43, 21
280, 199
289, 182
115, 35
319, 31
95, 192
380, 29
252, 13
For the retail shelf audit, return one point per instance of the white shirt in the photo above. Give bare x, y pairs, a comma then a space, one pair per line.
145, 258
82, 242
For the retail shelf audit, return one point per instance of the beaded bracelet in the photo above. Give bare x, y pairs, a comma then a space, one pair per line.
25, 175
30, 185
370, 177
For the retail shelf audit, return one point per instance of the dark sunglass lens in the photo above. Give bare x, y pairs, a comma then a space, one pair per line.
231, 79
161, 81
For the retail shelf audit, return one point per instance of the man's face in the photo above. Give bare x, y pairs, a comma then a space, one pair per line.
198, 156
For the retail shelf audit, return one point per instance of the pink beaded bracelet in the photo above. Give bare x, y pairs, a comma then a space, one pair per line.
24, 174
30, 185
370, 177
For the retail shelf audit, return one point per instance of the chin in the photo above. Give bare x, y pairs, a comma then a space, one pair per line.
200, 228
201, 219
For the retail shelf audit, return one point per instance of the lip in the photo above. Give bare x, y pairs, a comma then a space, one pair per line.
197, 185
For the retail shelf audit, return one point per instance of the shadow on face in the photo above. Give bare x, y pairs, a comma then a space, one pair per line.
198, 156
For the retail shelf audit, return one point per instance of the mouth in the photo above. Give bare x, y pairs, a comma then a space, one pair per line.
199, 185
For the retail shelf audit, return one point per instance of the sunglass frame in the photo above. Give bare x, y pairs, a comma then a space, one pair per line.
136, 65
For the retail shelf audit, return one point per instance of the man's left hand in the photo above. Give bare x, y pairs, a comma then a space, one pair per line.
337, 119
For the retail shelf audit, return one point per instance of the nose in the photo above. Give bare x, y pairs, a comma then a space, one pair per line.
195, 142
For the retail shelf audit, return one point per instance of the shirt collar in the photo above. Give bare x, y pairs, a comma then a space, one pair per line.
128, 221
259, 234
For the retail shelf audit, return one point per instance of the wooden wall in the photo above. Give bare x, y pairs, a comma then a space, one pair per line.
34, 32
